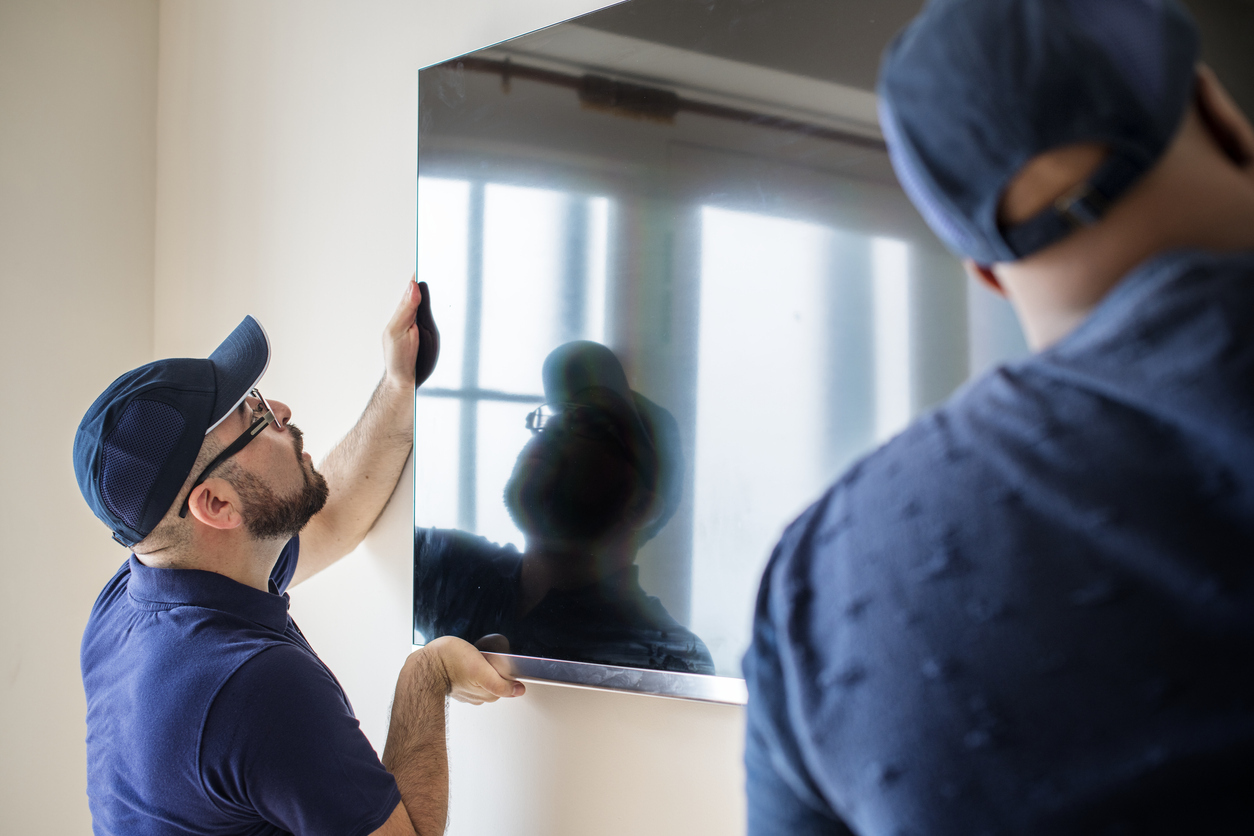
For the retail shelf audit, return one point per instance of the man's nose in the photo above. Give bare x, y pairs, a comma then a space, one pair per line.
281, 411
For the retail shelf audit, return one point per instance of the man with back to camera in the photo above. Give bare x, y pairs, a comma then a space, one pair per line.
1032, 612
207, 711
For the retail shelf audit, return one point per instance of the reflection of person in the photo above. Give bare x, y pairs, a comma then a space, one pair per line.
207, 711
1033, 611
601, 475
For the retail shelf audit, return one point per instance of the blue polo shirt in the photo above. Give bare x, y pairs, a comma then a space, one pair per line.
209, 713
1033, 611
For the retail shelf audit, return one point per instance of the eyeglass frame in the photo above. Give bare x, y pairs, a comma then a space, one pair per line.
267, 418
536, 421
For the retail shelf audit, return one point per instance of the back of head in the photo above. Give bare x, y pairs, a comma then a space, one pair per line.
973, 90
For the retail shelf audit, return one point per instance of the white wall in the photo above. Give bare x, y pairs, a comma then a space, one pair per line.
77, 155
287, 189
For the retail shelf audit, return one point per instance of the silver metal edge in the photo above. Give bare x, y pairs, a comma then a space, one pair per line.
670, 684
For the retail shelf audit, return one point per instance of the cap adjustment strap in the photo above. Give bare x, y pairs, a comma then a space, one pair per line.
1083, 206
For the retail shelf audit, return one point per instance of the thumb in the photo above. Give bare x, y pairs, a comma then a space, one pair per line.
497, 684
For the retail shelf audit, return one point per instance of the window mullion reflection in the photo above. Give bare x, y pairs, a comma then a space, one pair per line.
469, 424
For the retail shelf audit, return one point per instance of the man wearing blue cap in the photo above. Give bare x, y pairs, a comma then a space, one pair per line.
207, 711
1033, 611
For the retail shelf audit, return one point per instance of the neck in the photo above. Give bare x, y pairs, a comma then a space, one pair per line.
231, 553
1195, 198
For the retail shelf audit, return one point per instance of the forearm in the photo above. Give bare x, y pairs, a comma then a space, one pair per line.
363, 468
361, 473
415, 752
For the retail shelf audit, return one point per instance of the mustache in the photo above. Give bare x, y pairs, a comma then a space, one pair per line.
298, 438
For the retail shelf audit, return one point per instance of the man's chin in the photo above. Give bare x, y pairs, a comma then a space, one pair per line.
268, 517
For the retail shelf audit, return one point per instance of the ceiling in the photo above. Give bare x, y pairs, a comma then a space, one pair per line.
841, 40
831, 40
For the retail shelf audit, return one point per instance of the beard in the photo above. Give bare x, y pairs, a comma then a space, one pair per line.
267, 516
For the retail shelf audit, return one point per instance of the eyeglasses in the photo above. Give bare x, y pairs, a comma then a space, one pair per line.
579, 419
267, 417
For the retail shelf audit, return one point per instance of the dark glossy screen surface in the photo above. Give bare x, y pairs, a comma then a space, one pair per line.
701, 190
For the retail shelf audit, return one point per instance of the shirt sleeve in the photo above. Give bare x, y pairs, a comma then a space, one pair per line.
282, 745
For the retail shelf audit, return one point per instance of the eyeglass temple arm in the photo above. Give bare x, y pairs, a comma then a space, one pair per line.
231, 449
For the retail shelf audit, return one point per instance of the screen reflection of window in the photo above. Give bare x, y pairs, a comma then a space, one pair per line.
778, 420
513, 272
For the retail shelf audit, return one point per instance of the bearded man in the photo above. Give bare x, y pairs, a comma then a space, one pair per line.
207, 710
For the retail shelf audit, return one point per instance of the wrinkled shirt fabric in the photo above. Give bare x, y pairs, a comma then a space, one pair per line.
1033, 611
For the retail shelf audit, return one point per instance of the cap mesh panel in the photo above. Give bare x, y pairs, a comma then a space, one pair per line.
133, 454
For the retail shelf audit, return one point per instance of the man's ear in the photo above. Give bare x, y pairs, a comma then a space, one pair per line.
985, 276
216, 504
1223, 119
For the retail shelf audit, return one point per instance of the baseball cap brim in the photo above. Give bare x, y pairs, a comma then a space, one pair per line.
239, 363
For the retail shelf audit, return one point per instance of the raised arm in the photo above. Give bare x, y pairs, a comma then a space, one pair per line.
362, 470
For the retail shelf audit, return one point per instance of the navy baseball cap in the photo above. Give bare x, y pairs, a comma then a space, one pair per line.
138, 442
972, 90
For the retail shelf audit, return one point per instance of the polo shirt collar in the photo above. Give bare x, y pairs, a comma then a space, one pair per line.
154, 589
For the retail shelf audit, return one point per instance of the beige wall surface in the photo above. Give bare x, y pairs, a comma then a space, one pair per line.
77, 163
287, 189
